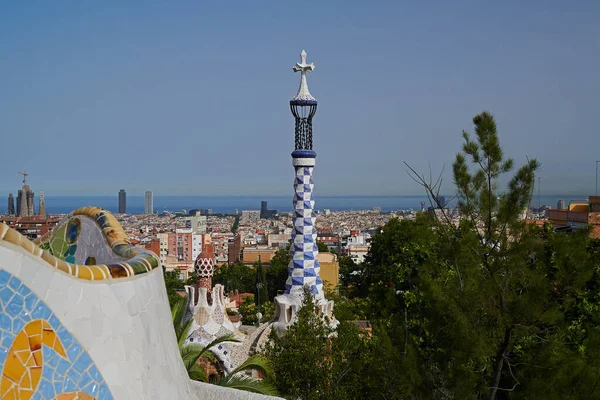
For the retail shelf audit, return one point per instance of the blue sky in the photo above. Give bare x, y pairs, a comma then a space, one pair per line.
192, 97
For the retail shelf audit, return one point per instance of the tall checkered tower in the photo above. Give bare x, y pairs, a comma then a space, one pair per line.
303, 270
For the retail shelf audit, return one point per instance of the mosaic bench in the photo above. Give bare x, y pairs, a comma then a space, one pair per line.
84, 315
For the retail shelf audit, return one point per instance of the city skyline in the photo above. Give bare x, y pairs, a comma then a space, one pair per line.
399, 83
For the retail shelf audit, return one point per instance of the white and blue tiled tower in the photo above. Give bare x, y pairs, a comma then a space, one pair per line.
303, 271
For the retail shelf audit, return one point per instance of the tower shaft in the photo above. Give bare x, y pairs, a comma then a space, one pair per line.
304, 267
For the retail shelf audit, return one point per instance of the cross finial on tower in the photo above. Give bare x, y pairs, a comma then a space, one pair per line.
303, 68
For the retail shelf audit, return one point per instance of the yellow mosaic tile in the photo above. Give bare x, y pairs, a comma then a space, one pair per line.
13, 367
25, 394
33, 328
11, 395
5, 387
97, 274
36, 375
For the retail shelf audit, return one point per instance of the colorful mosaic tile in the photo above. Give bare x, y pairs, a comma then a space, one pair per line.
39, 358
88, 244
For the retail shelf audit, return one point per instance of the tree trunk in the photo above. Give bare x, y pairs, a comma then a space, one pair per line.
405, 331
500, 363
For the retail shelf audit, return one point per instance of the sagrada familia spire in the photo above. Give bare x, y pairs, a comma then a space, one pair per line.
303, 270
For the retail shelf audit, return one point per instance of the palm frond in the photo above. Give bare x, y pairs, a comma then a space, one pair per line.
257, 362
226, 338
190, 354
184, 332
197, 373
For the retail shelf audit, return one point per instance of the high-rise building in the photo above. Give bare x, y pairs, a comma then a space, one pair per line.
11, 204
264, 210
42, 205
25, 200
19, 195
304, 265
561, 205
30, 203
148, 202
122, 202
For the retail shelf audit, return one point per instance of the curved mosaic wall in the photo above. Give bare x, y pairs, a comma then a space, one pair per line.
88, 244
39, 358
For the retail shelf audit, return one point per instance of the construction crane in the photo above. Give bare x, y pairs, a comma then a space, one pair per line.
25, 174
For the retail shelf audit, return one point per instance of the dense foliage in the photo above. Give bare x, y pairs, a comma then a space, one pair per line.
260, 292
235, 277
489, 308
248, 310
244, 278
277, 272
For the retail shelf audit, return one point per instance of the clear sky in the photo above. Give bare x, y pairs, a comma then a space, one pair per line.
191, 97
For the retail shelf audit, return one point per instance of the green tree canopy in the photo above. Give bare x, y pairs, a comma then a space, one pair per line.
323, 248
277, 272
485, 307
236, 277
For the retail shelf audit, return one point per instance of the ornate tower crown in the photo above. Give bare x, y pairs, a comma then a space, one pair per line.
304, 107
303, 96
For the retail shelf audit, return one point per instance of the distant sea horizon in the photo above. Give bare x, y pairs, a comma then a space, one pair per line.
282, 203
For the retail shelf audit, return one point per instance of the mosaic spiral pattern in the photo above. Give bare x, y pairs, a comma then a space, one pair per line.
58, 248
39, 358
304, 266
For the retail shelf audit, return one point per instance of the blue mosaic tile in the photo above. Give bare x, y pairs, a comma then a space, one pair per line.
41, 311
63, 366
65, 337
85, 380
73, 352
104, 394
7, 340
83, 363
5, 295
46, 389
69, 385
52, 361
14, 283
4, 277
25, 316
24, 290
5, 322
58, 386
95, 374
74, 373
3, 353
17, 325
15, 306
30, 302
54, 322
